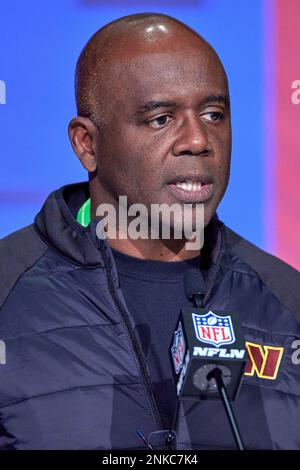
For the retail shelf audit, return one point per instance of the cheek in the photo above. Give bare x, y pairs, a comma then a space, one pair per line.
223, 156
223, 170
132, 163
222, 178
129, 174
145, 166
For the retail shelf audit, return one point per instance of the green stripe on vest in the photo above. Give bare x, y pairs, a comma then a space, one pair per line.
84, 213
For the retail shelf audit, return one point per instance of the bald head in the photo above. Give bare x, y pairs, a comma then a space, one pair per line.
116, 45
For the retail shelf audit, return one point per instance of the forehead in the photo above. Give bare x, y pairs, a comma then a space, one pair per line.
178, 74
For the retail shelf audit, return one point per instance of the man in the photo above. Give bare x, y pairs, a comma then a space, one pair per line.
87, 322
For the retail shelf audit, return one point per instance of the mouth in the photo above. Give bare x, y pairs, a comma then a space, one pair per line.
192, 190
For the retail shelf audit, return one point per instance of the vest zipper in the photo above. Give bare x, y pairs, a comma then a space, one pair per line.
136, 348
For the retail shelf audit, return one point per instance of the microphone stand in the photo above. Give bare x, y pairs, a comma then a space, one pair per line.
217, 375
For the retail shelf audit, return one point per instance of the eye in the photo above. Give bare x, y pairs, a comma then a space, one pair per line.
214, 116
160, 121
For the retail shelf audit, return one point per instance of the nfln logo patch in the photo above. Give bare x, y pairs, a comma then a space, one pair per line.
213, 329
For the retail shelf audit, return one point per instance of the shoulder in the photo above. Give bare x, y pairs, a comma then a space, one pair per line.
281, 278
19, 251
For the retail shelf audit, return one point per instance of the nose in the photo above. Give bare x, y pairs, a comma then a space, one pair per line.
192, 138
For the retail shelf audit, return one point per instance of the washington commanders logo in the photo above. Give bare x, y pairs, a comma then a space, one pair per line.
264, 361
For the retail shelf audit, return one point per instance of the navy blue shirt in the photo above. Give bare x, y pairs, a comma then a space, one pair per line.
154, 293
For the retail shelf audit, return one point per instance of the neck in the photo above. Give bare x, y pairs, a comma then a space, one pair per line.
159, 250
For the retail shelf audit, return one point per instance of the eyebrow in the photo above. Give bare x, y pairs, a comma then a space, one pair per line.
216, 98
152, 105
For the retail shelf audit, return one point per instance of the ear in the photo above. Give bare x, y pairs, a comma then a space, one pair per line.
83, 138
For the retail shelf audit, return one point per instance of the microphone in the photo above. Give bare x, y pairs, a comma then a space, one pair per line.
208, 353
194, 287
205, 339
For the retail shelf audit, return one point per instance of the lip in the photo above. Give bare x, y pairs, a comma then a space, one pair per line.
201, 195
190, 177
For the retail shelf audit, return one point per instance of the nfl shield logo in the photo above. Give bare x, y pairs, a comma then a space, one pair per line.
178, 349
213, 329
